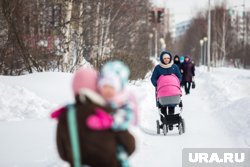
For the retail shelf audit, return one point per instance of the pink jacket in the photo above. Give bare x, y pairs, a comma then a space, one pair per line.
168, 85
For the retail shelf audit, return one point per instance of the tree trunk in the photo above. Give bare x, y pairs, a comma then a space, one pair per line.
106, 34
96, 33
79, 43
223, 43
67, 46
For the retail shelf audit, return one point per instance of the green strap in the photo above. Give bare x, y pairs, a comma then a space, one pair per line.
74, 139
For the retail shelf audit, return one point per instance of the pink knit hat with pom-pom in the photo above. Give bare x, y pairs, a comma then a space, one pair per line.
84, 78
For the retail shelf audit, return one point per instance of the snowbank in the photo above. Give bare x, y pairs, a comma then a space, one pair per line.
19, 103
236, 117
228, 93
54, 87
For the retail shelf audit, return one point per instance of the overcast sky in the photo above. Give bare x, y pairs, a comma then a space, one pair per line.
185, 9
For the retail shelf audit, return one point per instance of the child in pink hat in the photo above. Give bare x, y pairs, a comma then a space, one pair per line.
112, 87
90, 108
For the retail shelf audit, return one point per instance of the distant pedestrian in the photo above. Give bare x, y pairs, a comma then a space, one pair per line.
177, 61
188, 72
182, 59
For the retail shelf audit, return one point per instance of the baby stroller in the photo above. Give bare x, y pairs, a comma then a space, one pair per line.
168, 96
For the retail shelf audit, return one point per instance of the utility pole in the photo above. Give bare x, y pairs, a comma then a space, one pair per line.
209, 36
156, 42
201, 48
245, 34
151, 44
205, 57
156, 16
153, 20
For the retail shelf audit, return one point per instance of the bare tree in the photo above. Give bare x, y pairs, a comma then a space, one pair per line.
189, 44
46, 35
226, 42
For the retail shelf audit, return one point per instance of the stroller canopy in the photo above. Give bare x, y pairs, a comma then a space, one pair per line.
168, 85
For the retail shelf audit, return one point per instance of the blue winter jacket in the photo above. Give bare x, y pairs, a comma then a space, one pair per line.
158, 71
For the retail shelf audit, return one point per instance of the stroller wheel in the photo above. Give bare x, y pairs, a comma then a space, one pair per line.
165, 129
180, 127
158, 127
183, 125
171, 127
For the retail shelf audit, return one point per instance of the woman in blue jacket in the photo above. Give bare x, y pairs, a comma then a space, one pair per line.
166, 67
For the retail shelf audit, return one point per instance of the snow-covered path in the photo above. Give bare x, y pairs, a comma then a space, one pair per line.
203, 130
28, 139
29, 143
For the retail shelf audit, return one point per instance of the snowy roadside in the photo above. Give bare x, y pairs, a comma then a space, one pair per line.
229, 97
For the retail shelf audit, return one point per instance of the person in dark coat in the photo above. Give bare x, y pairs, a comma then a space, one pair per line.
177, 61
97, 148
188, 70
166, 67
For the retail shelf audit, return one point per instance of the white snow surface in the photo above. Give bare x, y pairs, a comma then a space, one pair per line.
216, 113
